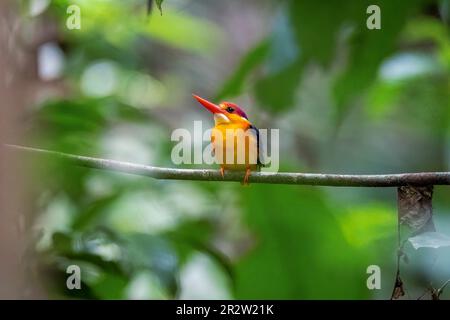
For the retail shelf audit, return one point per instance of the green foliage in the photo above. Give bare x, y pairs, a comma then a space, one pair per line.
317, 41
287, 80
137, 238
159, 5
368, 48
306, 32
235, 84
113, 261
299, 249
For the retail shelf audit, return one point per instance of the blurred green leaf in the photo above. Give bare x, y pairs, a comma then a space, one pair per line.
368, 48
134, 253
159, 5
427, 104
185, 32
155, 253
71, 115
62, 243
75, 247
111, 286
235, 83
316, 25
423, 29
300, 252
195, 236
382, 98
295, 42
87, 217
363, 225
177, 29
277, 91
192, 231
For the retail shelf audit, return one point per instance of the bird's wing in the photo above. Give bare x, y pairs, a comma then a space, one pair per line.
259, 146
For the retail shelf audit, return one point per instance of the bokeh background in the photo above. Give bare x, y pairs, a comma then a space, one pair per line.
345, 98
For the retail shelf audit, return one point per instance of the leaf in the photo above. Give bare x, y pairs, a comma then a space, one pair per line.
192, 236
154, 253
235, 83
183, 31
159, 5
382, 98
86, 247
368, 48
430, 240
299, 252
150, 6
111, 286
315, 25
363, 225
304, 32
177, 29
277, 92
62, 243
415, 208
87, 217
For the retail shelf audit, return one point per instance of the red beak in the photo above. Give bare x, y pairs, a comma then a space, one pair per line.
214, 108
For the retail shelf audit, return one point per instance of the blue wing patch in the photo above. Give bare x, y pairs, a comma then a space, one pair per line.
259, 145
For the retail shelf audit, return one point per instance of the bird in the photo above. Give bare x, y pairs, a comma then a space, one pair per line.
230, 122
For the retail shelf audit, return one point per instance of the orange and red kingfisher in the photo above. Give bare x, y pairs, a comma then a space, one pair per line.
230, 121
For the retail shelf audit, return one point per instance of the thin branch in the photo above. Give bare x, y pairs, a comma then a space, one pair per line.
441, 289
315, 179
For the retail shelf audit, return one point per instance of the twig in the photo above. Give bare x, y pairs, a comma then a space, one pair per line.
315, 179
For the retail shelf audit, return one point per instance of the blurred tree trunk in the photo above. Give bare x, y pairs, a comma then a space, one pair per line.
15, 84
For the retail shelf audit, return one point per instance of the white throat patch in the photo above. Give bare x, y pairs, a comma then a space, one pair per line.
220, 118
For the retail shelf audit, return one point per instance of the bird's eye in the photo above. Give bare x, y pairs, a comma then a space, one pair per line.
229, 109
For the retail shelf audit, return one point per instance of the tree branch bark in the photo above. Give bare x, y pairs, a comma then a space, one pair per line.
294, 178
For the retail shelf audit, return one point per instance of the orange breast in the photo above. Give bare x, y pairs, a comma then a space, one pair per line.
235, 146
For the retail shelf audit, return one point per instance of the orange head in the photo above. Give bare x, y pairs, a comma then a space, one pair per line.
225, 112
